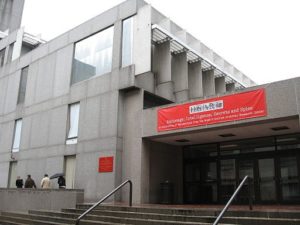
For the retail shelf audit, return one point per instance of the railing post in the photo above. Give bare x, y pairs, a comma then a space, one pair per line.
106, 197
130, 193
229, 201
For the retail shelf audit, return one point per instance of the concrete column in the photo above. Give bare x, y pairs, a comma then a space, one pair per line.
180, 76
230, 87
220, 85
195, 80
117, 45
208, 81
133, 158
162, 62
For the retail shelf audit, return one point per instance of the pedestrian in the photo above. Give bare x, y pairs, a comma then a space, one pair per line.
19, 182
61, 182
29, 183
45, 183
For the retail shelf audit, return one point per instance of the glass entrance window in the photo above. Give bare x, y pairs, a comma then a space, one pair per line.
228, 178
246, 168
267, 183
201, 182
289, 179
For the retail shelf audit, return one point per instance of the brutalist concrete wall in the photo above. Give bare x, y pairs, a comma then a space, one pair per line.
45, 110
11, 14
22, 200
165, 166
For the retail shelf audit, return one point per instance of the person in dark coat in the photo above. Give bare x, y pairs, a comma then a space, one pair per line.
61, 182
19, 182
29, 183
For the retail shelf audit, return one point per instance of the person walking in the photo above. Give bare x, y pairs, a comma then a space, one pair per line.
61, 182
19, 182
45, 183
29, 183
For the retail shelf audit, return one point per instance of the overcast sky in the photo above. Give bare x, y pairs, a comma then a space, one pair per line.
259, 37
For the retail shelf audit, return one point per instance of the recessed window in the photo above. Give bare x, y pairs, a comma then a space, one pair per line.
227, 135
280, 128
127, 42
93, 56
182, 140
17, 135
22, 86
73, 123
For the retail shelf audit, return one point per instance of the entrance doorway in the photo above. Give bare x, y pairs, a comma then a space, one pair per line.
213, 171
70, 165
12, 174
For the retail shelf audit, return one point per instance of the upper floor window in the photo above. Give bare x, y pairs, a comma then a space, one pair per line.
17, 135
22, 86
93, 56
73, 123
127, 42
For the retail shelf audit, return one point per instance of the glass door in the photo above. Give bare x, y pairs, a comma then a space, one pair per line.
201, 182
289, 179
266, 180
246, 167
228, 179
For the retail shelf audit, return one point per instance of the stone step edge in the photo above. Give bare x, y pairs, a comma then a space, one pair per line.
26, 219
192, 217
185, 211
17, 215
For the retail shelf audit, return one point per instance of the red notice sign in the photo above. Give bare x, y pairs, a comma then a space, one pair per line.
106, 164
240, 106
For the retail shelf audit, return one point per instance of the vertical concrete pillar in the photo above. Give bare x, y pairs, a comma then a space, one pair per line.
133, 158
180, 76
230, 87
208, 81
220, 85
162, 65
195, 80
117, 45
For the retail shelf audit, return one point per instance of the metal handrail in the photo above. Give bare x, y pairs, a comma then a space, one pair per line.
233, 197
106, 197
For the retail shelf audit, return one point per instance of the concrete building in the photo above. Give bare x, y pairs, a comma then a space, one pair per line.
131, 95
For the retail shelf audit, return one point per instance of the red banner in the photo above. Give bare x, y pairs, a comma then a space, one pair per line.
240, 106
106, 164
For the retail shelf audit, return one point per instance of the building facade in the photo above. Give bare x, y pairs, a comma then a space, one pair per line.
107, 101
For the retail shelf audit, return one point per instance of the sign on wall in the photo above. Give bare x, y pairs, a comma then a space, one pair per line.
106, 164
240, 106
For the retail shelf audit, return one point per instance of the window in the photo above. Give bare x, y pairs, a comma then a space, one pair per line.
93, 56
2, 55
73, 123
17, 135
127, 42
22, 86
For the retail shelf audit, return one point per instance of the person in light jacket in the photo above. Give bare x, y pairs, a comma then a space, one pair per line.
45, 183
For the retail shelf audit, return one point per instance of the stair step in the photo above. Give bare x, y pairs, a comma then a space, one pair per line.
22, 220
121, 218
20, 217
8, 222
73, 213
197, 211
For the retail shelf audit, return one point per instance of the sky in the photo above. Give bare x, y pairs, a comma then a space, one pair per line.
259, 37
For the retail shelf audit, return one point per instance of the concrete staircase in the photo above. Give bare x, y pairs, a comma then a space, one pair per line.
113, 215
